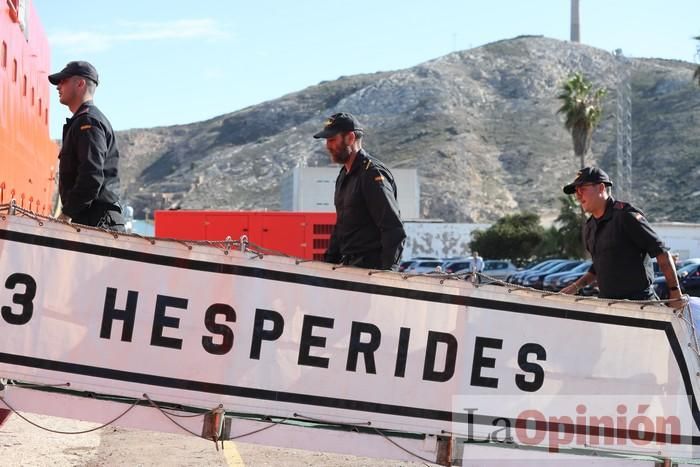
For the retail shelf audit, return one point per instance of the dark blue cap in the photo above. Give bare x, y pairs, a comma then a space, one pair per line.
342, 122
587, 175
79, 68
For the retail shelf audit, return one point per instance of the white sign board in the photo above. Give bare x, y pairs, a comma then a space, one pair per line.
205, 326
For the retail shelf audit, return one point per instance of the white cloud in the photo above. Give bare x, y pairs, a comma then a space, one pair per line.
128, 31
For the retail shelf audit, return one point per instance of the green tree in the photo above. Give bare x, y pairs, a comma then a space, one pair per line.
564, 238
520, 237
570, 222
582, 109
513, 237
550, 245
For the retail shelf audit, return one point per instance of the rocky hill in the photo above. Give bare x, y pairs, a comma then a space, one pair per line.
480, 126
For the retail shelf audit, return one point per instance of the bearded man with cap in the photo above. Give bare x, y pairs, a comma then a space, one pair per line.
88, 171
621, 244
368, 232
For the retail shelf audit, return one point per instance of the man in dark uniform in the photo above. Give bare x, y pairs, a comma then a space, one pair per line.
368, 231
88, 172
621, 243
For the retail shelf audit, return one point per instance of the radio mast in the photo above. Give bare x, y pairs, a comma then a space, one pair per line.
575, 22
623, 119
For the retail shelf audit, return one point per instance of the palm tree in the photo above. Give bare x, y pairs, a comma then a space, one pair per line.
581, 105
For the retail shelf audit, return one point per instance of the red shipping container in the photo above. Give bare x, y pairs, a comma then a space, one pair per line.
300, 234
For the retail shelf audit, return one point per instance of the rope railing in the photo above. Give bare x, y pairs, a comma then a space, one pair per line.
243, 244
148, 401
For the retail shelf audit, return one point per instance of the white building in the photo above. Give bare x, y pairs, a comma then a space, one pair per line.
680, 237
444, 240
311, 189
438, 239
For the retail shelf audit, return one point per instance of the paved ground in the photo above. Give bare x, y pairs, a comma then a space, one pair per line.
22, 444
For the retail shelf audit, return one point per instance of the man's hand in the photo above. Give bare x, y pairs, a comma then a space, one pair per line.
668, 268
574, 287
675, 299
64, 218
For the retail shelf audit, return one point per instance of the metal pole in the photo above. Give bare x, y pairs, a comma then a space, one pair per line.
575, 22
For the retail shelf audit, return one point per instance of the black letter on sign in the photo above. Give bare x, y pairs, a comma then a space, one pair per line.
260, 334
533, 368
24, 299
110, 313
367, 348
308, 340
480, 361
429, 372
161, 321
220, 329
402, 352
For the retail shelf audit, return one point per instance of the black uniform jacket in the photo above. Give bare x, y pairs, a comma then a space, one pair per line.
368, 231
88, 176
621, 243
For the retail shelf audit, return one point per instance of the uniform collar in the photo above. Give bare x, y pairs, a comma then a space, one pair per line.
359, 158
608, 210
84, 108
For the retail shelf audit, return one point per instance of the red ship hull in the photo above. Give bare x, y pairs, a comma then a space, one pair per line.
28, 157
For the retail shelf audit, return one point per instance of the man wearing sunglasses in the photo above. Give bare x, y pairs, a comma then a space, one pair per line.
621, 244
368, 232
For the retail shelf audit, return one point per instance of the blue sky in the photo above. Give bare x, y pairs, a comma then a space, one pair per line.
165, 62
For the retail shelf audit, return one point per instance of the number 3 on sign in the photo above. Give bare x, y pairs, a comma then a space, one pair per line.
24, 299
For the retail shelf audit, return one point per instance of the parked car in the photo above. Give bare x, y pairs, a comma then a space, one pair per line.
688, 279
517, 277
456, 258
557, 281
421, 267
591, 290
499, 268
536, 279
566, 279
553, 262
458, 266
688, 262
403, 265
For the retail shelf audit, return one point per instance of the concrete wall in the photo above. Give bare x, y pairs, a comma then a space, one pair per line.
681, 238
445, 240
442, 240
311, 189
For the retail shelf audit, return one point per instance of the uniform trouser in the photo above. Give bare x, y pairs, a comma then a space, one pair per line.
645, 295
102, 215
369, 260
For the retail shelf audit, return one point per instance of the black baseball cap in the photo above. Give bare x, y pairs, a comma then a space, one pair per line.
342, 122
588, 175
79, 68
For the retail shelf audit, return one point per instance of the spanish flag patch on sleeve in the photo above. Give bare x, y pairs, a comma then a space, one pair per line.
379, 178
85, 127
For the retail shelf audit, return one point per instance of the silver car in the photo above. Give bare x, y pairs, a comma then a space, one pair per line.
498, 268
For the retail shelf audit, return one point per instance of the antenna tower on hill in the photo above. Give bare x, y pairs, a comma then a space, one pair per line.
575, 22
623, 118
